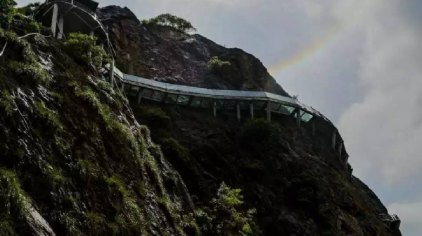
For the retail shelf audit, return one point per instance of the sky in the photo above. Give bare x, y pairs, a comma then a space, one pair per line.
357, 61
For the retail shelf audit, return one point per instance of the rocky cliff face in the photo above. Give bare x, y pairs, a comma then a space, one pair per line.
77, 159
294, 181
166, 54
73, 158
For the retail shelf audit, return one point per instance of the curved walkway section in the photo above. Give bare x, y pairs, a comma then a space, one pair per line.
252, 101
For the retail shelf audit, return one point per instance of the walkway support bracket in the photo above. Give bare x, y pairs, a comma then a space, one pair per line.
340, 149
112, 73
54, 19
140, 93
251, 110
60, 24
238, 111
298, 117
268, 111
334, 139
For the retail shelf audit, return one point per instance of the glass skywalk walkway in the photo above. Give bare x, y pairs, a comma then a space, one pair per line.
238, 101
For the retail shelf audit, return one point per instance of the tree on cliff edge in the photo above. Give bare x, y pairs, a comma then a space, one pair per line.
6, 9
172, 21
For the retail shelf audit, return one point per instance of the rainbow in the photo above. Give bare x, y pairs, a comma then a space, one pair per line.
354, 16
307, 52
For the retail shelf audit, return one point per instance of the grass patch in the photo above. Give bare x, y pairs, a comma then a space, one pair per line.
7, 102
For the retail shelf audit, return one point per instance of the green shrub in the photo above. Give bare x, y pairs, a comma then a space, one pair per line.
228, 197
30, 72
6, 12
15, 204
83, 49
49, 115
215, 63
227, 216
172, 21
96, 222
33, 27
29, 9
116, 185
7, 102
260, 135
156, 117
172, 149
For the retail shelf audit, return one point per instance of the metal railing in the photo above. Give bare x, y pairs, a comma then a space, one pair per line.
216, 94
75, 3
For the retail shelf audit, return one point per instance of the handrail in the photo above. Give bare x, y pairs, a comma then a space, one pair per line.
216, 93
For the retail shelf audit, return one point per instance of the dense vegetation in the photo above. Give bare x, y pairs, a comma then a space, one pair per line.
75, 160
85, 51
291, 182
6, 12
71, 152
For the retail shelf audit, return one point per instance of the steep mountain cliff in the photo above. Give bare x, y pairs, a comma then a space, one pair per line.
73, 158
165, 54
77, 157
295, 181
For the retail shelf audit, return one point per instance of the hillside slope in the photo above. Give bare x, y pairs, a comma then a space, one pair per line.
73, 158
165, 54
295, 181
76, 156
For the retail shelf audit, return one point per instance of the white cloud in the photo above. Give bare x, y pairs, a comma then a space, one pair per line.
384, 131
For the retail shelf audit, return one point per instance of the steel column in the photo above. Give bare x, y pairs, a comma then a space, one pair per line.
141, 90
238, 111
54, 19
60, 24
112, 73
251, 110
269, 111
298, 117
334, 139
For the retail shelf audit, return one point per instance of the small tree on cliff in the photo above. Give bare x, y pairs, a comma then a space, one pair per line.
6, 11
172, 21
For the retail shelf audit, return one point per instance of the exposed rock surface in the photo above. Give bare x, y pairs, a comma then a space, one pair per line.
294, 180
165, 54
75, 159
